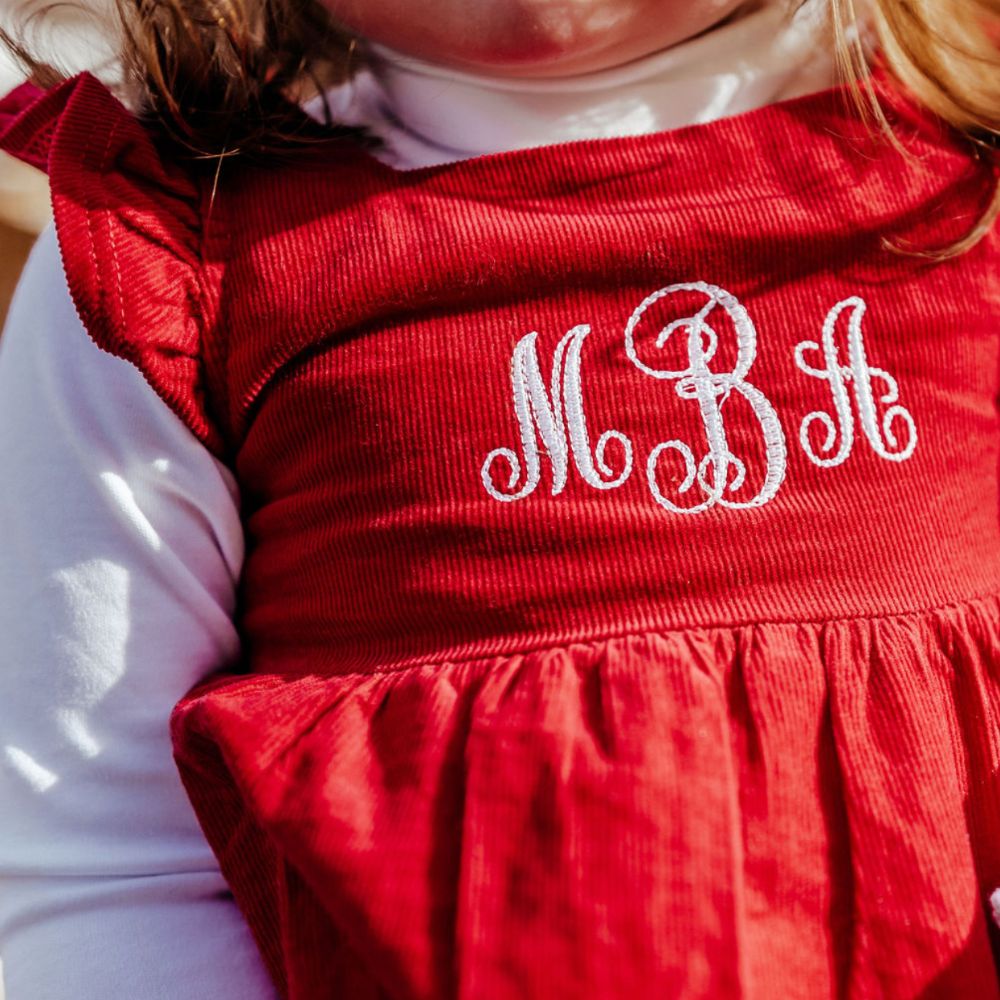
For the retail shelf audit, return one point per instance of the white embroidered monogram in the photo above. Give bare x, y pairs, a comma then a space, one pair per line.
699, 382
542, 415
555, 418
860, 373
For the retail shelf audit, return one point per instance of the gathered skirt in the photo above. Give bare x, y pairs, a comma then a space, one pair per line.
774, 810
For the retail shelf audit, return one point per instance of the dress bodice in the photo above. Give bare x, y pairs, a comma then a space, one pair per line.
574, 392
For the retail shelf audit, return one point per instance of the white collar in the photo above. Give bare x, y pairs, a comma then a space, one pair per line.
427, 114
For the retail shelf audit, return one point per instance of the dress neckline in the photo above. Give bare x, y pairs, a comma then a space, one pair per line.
813, 141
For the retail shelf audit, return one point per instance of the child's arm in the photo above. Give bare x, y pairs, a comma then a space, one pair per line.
120, 545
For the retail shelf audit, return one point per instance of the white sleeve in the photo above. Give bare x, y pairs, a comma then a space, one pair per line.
120, 548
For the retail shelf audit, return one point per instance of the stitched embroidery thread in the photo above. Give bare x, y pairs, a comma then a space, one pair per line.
711, 390
859, 373
541, 415
552, 419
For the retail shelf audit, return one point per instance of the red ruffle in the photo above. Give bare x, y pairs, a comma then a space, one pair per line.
129, 226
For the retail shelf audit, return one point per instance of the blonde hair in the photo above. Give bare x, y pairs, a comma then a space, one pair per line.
220, 76
947, 54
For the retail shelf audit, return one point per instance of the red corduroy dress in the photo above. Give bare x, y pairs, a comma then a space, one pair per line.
622, 599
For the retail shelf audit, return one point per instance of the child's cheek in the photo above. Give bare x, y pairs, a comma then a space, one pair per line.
531, 37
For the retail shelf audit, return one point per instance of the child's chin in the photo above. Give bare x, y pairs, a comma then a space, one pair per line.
546, 38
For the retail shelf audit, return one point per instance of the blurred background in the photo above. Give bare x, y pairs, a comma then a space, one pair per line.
24, 205
71, 36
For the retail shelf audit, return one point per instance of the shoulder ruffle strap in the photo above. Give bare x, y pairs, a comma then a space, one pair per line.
130, 230
26, 125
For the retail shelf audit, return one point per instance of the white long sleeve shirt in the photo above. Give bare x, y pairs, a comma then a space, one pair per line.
121, 547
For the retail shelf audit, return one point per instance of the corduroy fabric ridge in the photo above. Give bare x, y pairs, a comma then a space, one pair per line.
511, 727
